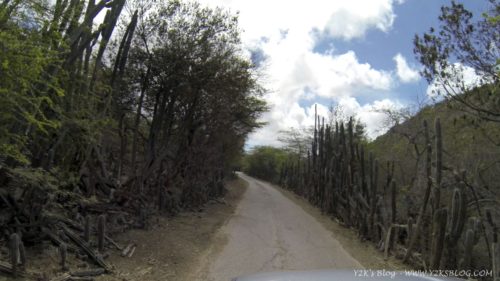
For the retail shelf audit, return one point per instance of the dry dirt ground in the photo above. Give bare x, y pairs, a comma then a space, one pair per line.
195, 245
168, 250
171, 249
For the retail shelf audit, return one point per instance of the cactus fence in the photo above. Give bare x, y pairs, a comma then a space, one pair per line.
450, 229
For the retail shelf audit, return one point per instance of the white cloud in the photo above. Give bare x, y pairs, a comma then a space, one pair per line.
463, 78
370, 114
294, 72
353, 18
405, 73
341, 19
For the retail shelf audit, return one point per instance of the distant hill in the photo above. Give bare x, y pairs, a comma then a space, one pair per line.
470, 145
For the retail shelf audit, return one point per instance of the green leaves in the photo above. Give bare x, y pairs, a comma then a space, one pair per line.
265, 162
460, 46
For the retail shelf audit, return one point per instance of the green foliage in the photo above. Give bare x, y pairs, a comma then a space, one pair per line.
460, 42
471, 143
171, 78
265, 162
26, 93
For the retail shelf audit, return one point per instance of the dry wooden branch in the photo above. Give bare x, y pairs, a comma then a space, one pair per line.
52, 236
127, 249
64, 277
7, 268
132, 251
96, 257
88, 273
112, 242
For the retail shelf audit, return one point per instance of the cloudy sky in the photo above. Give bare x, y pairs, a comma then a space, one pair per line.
357, 54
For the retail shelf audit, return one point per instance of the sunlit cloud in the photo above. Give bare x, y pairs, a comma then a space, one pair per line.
281, 35
405, 73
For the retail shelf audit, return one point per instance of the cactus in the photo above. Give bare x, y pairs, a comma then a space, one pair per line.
393, 214
475, 225
465, 262
472, 236
457, 216
63, 251
363, 173
438, 237
86, 229
415, 236
439, 164
410, 231
373, 195
22, 253
489, 218
14, 252
101, 232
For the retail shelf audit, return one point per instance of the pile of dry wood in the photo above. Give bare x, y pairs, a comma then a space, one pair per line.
31, 214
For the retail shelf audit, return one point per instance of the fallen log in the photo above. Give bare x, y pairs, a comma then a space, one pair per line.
54, 238
127, 249
7, 268
81, 279
92, 254
88, 273
78, 227
132, 251
64, 277
112, 242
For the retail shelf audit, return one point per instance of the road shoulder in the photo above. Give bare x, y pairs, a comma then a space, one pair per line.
173, 248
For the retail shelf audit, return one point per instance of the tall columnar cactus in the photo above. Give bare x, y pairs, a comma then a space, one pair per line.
63, 251
393, 202
465, 262
416, 232
373, 194
495, 247
472, 236
363, 170
410, 231
458, 216
439, 164
86, 229
14, 252
101, 232
22, 252
438, 237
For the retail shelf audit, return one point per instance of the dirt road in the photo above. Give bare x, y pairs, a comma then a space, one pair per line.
269, 232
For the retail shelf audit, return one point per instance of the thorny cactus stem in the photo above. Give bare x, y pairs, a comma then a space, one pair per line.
101, 232
438, 237
86, 229
439, 164
465, 262
410, 231
22, 253
14, 252
458, 215
63, 251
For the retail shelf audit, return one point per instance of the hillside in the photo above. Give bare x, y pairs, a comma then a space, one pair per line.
470, 145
